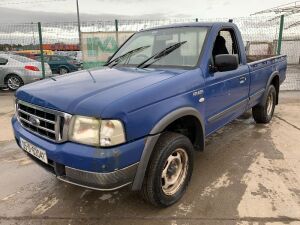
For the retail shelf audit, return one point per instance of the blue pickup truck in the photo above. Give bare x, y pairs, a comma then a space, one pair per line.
137, 121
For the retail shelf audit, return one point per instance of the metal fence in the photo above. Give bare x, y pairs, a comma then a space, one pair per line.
99, 39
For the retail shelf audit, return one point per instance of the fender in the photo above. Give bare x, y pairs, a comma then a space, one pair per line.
154, 136
275, 73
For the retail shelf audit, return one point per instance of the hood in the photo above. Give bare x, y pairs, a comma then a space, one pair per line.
71, 92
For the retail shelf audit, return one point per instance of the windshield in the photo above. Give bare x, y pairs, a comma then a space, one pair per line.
186, 55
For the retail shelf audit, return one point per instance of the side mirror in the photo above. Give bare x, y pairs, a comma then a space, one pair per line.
3, 61
226, 62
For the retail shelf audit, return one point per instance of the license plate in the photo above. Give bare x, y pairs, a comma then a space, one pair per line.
33, 150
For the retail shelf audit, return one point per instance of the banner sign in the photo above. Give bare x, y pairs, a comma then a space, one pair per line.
98, 46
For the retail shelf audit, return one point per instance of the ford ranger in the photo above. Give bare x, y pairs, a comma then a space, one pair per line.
137, 121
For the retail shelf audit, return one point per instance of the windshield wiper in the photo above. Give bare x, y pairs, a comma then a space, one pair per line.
126, 55
160, 54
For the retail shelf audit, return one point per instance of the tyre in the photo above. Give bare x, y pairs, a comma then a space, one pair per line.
263, 113
13, 82
169, 170
63, 70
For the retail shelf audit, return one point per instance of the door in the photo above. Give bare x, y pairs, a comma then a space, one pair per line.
226, 93
54, 63
3, 62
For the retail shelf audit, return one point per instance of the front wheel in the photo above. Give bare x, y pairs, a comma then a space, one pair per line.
264, 113
169, 170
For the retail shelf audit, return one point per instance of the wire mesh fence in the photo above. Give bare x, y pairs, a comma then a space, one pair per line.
64, 53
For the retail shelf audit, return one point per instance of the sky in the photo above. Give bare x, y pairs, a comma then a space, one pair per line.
15, 11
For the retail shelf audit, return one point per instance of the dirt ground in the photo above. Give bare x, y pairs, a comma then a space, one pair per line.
248, 174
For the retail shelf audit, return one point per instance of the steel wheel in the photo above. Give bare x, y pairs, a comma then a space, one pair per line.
270, 102
169, 170
14, 82
174, 172
263, 111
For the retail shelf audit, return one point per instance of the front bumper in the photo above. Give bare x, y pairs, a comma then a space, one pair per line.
92, 180
86, 166
100, 181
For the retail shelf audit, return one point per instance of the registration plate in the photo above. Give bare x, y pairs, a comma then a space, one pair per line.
33, 150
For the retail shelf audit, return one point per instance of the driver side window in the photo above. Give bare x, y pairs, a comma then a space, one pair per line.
225, 43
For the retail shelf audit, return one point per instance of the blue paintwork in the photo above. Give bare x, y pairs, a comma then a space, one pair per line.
82, 156
140, 98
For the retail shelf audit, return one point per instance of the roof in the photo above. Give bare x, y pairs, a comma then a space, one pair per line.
193, 24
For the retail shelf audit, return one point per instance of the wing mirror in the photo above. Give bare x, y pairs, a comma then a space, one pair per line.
3, 61
226, 62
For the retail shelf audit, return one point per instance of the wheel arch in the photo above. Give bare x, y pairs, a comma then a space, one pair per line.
274, 80
9, 74
161, 126
186, 114
63, 66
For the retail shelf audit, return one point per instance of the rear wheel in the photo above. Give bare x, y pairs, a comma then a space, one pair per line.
169, 170
14, 82
63, 70
263, 113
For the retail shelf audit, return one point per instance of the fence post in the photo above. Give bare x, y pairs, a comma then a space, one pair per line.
78, 25
280, 35
117, 31
41, 48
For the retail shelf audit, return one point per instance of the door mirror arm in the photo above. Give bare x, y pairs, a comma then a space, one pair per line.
213, 69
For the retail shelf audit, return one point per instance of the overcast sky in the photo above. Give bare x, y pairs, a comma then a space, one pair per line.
65, 10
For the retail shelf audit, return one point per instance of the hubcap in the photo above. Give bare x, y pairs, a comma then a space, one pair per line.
63, 71
269, 104
13, 83
174, 172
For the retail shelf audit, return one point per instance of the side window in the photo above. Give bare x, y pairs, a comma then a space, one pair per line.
55, 58
226, 43
228, 40
46, 58
38, 58
3, 61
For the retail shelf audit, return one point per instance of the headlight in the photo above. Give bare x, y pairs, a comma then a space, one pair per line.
97, 132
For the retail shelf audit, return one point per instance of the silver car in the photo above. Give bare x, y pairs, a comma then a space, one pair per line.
16, 71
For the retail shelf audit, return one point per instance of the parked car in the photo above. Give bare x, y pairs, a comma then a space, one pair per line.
75, 55
61, 64
138, 121
16, 71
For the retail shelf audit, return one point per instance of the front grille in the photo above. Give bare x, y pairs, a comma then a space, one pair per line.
42, 121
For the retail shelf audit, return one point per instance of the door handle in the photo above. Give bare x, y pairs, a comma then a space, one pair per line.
242, 79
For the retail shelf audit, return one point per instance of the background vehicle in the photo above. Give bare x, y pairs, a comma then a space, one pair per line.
76, 55
16, 71
61, 64
138, 121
